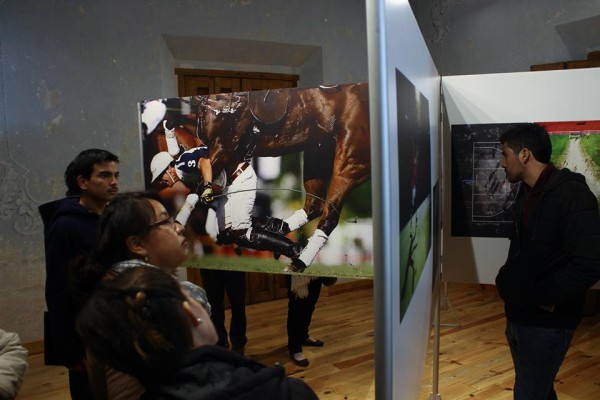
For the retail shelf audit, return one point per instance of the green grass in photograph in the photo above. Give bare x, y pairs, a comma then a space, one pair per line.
560, 145
591, 146
409, 276
266, 263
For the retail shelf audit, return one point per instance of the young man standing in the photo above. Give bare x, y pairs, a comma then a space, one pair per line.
554, 258
70, 228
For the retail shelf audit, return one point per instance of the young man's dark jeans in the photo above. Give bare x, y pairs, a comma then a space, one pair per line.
537, 354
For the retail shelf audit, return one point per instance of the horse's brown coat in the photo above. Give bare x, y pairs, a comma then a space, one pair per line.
330, 125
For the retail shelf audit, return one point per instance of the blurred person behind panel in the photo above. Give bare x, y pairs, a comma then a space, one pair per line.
303, 294
219, 282
554, 258
144, 324
70, 228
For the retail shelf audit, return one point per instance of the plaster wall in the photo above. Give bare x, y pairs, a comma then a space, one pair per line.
71, 73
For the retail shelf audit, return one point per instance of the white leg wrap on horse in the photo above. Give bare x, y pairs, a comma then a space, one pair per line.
299, 285
297, 219
315, 243
186, 210
172, 146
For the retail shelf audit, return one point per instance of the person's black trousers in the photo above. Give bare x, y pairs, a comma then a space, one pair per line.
300, 313
217, 283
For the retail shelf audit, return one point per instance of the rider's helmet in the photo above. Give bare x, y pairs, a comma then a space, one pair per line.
159, 164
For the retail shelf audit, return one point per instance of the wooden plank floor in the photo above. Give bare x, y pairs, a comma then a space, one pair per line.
474, 362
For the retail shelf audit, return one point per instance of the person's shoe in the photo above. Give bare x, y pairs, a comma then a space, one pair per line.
313, 342
299, 359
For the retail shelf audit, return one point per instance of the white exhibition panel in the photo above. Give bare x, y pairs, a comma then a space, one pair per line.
396, 43
564, 95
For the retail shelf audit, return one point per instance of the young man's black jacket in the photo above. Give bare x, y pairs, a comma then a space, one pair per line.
551, 264
69, 230
215, 373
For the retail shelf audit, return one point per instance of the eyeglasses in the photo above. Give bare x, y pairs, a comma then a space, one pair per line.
167, 221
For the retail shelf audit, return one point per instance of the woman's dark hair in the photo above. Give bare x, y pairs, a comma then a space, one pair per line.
531, 136
136, 323
127, 214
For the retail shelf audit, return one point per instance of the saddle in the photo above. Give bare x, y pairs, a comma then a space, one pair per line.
269, 106
330, 88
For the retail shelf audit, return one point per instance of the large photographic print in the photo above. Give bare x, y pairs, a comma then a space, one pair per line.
482, 198
267, 181
414, 170
576, 146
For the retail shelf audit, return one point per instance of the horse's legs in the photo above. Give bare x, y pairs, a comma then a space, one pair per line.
317, 171
350, 168
351, 165
348, 172
318, 165
329, 219
313, 203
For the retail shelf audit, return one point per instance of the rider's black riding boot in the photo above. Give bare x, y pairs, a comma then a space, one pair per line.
271, 224
225, 237
265, 240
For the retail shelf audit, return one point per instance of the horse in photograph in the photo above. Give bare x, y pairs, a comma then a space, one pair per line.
329, 124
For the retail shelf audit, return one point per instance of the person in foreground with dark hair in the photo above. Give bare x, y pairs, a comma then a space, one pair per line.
135, 231
144, 324
71, 227
554, 258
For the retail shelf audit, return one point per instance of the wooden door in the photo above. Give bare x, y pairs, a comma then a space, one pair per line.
197, 86
260, 287
263, 84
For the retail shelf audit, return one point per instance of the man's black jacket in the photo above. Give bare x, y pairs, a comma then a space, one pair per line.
548, 271
69, 230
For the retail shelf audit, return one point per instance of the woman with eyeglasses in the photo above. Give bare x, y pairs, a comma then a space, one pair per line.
135, 231
145, 324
